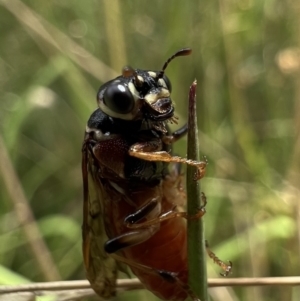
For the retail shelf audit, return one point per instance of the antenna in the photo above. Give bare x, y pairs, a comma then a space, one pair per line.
181, 52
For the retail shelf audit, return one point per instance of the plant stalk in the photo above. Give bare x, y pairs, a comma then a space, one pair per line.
195, 227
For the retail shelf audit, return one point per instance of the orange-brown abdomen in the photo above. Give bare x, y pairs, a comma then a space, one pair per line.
165, 251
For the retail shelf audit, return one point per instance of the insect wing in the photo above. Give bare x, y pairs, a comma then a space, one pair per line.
101, 269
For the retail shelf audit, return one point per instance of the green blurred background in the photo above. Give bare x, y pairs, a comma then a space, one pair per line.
246, 57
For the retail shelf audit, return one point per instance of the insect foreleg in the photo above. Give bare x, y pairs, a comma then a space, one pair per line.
163, 156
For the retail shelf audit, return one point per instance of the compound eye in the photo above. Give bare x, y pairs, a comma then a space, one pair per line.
168, 83
118, 98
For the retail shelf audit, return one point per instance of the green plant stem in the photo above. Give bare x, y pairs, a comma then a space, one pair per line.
196, 241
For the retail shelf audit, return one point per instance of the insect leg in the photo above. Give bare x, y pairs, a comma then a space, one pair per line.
148, 151
142, 212
226, 267
148, 228
171, 277
180, 133
176, 135
130, 239
131, 223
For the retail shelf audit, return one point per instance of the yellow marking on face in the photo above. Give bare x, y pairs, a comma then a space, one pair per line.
153, 97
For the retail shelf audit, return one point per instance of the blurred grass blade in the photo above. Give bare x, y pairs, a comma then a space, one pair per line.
9, 277
26, 217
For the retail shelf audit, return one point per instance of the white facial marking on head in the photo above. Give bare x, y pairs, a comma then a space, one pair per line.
152, 74
150, 98
133, 91
140, 78
162, 83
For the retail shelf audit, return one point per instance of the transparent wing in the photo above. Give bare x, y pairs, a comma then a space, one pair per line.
101, 269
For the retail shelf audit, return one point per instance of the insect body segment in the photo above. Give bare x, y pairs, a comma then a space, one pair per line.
130, 196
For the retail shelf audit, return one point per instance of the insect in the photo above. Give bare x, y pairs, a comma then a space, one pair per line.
130, 196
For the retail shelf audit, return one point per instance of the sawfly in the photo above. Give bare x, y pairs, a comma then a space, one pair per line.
131, 194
